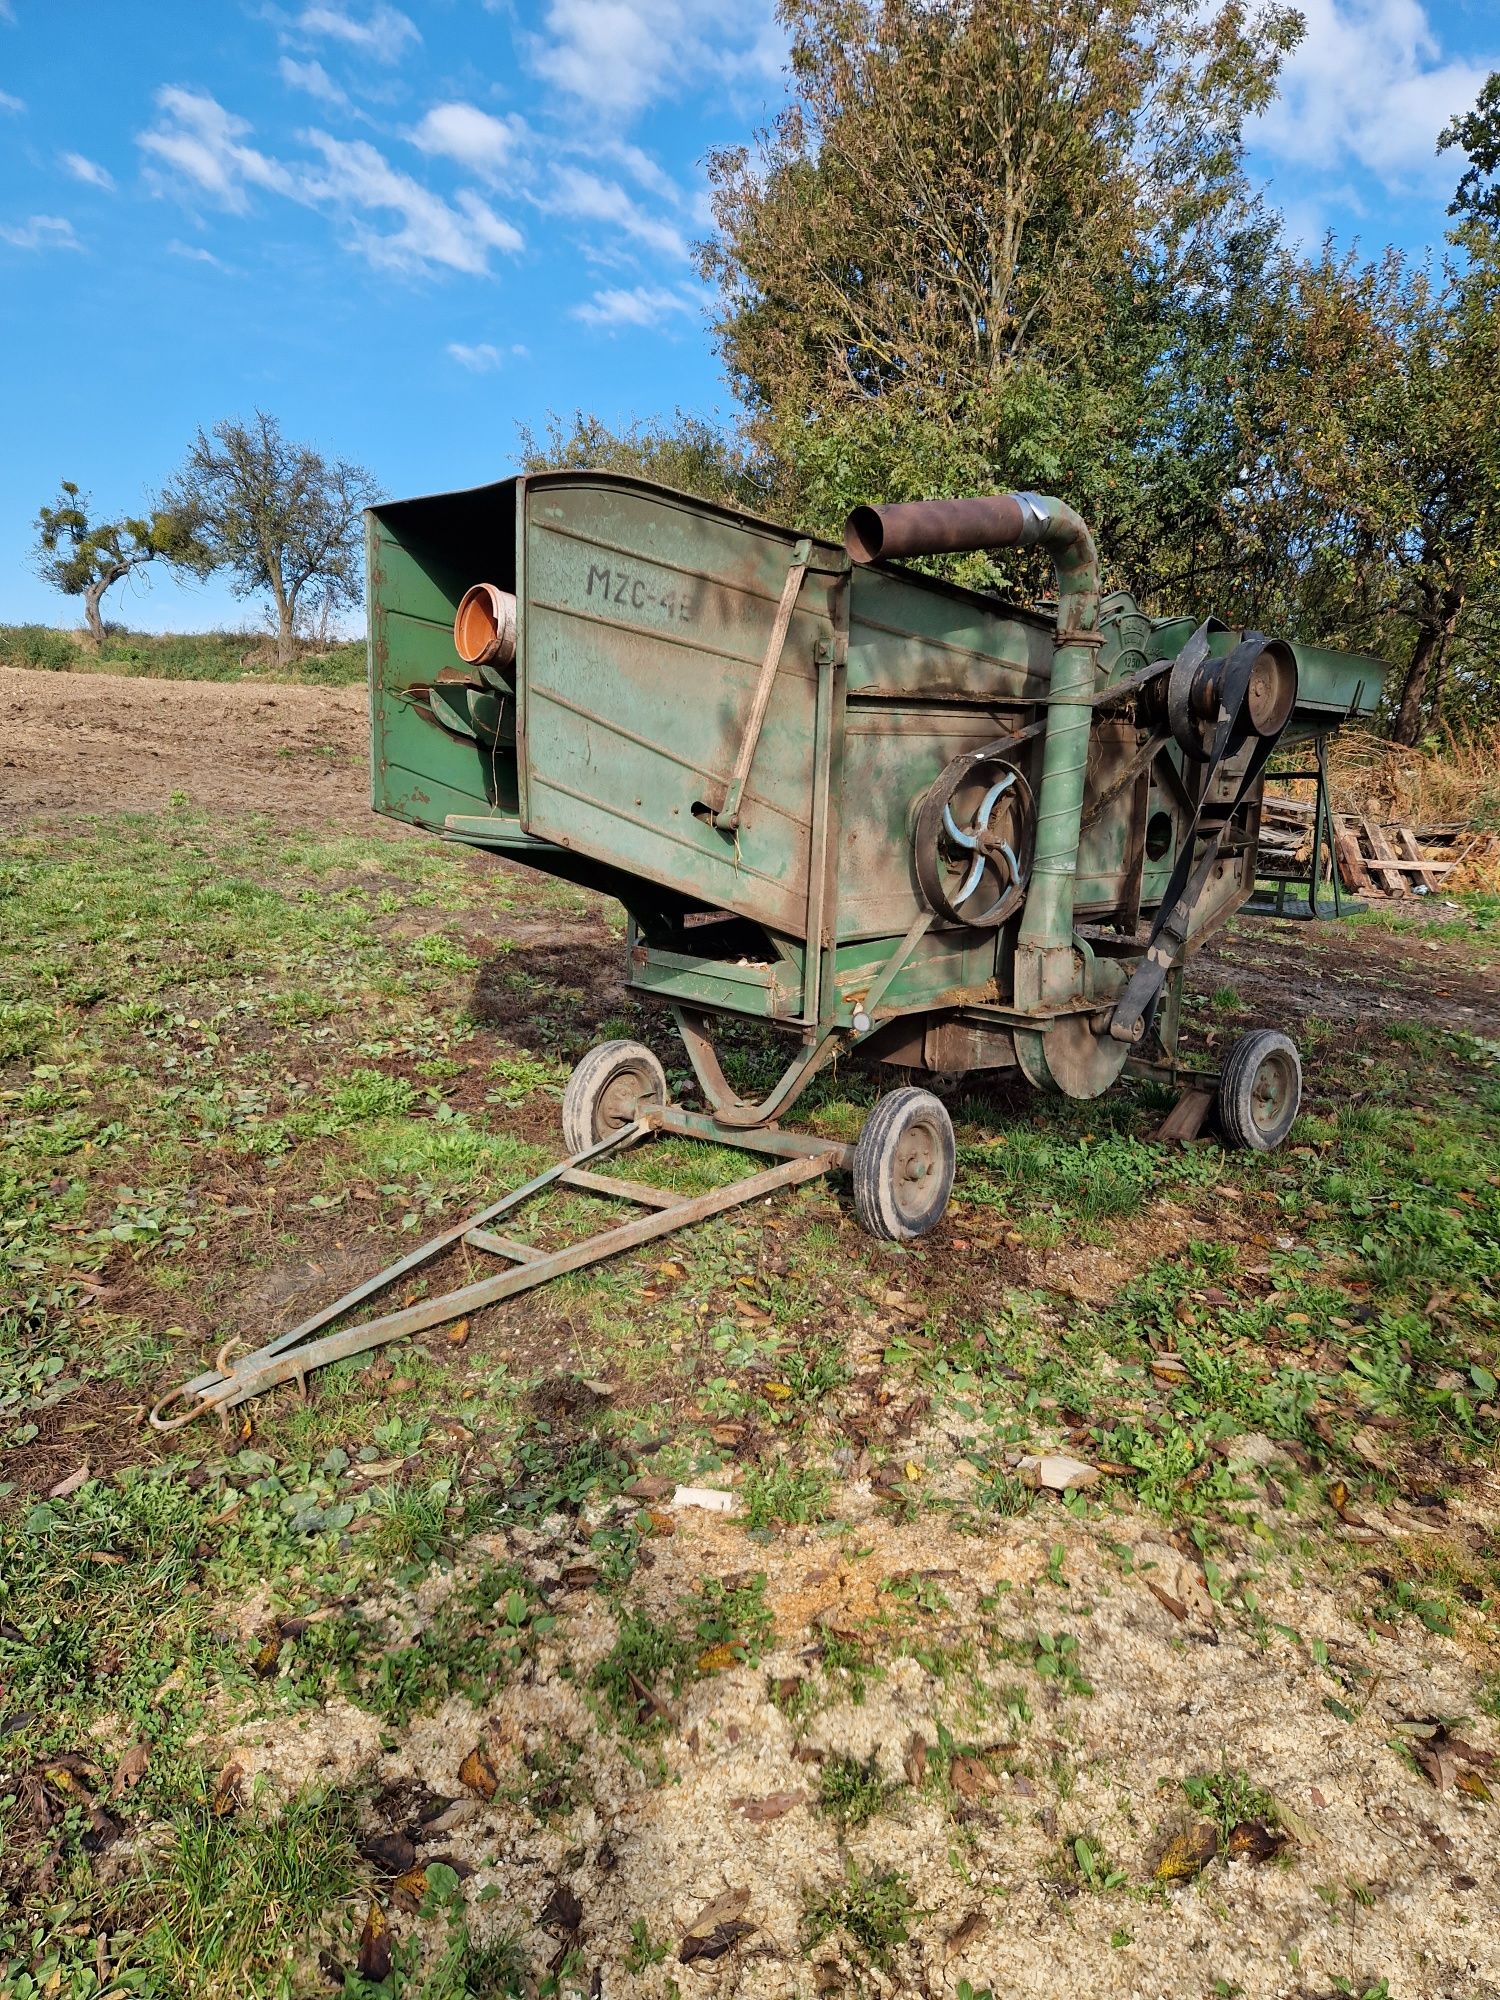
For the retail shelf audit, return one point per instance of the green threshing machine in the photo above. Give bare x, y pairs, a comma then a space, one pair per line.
866, 807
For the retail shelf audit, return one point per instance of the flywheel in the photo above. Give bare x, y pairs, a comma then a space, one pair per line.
974, 839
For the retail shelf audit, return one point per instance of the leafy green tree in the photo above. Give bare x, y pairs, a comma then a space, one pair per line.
688, 453
962, 252
279, 517
1477, 134
1378, 484
85, 557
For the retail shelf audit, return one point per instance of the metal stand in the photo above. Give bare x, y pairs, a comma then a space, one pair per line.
293, 1355
1272, 902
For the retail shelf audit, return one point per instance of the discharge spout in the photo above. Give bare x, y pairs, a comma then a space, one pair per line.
484, 627
1048, 970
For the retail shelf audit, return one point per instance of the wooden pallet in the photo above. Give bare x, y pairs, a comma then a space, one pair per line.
1373, 857
1385, 860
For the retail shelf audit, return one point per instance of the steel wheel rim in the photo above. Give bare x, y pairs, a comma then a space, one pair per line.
1273, 1091
916, 1159
621, 1099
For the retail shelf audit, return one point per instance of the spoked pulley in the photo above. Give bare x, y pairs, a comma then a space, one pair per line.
974, 839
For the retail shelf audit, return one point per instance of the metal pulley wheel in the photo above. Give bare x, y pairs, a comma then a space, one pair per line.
1256, 684
974, 839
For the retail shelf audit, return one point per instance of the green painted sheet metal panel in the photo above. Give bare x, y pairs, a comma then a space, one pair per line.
422, 555
892, 752
644, 624
912, 637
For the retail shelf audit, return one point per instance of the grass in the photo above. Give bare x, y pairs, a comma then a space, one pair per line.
180, 656
851, 1790
872, 1910
235, 1898
237, 1068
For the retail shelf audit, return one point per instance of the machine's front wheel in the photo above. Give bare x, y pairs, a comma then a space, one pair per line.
609, 1089
1260, 1091
903, 1166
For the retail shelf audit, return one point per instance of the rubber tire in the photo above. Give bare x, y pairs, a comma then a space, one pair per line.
890, 1207
585, 1120
1238, 1121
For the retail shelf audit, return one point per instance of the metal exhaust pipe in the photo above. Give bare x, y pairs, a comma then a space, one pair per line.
935, 528
484, 626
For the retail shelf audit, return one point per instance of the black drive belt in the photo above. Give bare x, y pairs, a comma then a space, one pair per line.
1170, 931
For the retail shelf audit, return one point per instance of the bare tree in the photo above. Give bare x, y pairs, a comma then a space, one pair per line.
279, 517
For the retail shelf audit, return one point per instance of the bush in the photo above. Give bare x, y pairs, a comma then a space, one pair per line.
178, 656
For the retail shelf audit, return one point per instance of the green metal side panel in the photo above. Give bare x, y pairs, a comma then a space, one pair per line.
934, 642
645, 619
892, 752
421, 557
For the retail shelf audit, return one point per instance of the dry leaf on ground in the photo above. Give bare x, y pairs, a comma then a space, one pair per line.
479, 1774
375, 1945
130, 1769
1187, 1853
772, 1806
718, 1926
1253, 1840
972, 1925
391, 1853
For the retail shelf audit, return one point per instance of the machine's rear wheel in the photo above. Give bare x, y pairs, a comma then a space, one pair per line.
1260, 1091
903, 1166
609, 1089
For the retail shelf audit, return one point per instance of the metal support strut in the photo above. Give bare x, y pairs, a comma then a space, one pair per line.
293, 1355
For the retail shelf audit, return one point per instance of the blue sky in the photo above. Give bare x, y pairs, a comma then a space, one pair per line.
405, 229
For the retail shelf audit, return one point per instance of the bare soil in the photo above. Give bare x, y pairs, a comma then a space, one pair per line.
81, 743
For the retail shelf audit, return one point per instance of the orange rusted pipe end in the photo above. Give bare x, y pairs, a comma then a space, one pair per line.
484, 627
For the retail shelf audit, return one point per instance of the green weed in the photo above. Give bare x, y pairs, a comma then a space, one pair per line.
874, 1911
852, 1790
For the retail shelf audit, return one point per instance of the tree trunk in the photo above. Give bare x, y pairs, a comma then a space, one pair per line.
91, 616
93, 597
286, 628
1426, 654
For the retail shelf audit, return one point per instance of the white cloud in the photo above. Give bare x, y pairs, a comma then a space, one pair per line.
356, 177
41, 232
642, 169
203, 144
9, 103
194, 253
640, 305
481, 359
472, 137
575, 192
313, 78
1369, 84
383, 33
621, 55
89, 172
